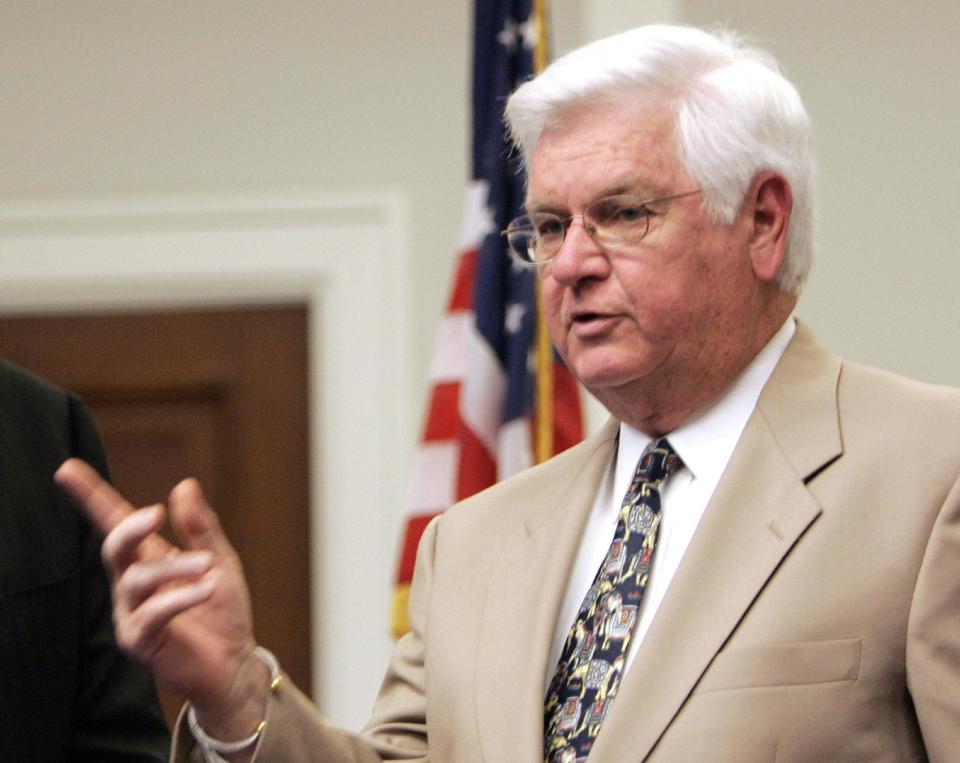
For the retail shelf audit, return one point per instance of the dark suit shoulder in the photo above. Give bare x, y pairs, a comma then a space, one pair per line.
19, 387
41, 533
41, 420
40, 423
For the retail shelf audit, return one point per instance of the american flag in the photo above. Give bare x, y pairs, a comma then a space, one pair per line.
482, 418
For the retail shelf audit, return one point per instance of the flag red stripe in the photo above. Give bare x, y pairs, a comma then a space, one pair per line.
411, 539
442, 418
477, 470
461, 296
567, 415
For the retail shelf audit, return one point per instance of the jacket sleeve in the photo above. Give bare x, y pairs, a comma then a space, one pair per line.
296, 732
933, 637
118, 716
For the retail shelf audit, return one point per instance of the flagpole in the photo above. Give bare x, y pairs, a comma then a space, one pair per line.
543, 441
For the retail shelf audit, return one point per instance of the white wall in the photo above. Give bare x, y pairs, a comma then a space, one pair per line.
135, 98
143, 99
880, 82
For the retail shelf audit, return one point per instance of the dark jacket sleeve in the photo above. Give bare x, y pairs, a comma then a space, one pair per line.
67, 693
118, 715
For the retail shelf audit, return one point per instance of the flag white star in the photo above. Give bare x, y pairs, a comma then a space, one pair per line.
513, 317
516, 267
488, 220
509, 34
530, 32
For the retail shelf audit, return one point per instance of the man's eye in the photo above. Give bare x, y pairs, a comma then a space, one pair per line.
627, 214
619, 213
550, 226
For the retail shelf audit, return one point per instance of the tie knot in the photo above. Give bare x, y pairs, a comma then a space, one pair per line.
658, 461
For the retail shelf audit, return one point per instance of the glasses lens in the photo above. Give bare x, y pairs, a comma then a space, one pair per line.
535, 238
522, 240
618, 219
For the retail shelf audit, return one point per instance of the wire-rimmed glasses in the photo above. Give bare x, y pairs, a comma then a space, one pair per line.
620, 220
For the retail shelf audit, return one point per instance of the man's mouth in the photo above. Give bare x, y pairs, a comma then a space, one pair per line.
587, 323
584, 317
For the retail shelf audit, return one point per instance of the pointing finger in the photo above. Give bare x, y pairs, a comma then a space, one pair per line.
104, 505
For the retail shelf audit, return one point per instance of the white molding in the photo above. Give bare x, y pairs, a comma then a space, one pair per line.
347, 257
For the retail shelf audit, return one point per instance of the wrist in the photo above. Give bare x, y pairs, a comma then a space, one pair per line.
234, 724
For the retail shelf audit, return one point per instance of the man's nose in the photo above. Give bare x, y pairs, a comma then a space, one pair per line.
580, 257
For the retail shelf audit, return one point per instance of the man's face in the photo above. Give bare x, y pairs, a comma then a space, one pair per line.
654, 318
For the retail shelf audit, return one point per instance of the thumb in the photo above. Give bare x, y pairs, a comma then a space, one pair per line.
194, 522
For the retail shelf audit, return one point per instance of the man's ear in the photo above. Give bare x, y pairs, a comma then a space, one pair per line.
772, 205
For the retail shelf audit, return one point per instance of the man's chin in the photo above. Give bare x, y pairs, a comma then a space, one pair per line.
621, 388
605, 382
600, 369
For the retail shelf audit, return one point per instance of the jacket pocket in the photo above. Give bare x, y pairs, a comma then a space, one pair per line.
785, 664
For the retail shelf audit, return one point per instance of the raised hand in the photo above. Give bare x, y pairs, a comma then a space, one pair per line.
185, 611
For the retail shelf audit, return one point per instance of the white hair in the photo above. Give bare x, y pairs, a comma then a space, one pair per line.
735, 116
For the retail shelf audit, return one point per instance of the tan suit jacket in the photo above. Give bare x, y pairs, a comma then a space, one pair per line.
815, 616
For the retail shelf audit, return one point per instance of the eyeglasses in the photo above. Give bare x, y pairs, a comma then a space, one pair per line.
536, 238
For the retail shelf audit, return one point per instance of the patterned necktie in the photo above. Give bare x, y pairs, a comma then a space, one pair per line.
591, 664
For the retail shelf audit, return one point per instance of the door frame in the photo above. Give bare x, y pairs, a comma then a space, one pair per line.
347, 257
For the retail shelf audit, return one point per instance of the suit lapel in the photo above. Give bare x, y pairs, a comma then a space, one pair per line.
759, 510
523, 601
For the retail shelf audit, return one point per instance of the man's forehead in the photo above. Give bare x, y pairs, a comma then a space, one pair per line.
632, 184
610, 148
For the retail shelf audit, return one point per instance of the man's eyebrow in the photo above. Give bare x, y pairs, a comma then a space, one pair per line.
533, 205
631, 186
622, 188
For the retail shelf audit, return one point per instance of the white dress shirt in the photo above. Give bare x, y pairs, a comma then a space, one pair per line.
704, 444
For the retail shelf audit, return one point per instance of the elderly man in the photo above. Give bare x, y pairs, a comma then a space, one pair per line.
757, 558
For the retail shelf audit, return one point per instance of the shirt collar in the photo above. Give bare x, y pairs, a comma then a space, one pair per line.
706, 442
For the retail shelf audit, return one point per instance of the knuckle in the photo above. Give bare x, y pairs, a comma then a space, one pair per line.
108, 554
126, 635
135, 638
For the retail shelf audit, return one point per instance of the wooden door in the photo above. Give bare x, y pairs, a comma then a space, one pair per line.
218, 395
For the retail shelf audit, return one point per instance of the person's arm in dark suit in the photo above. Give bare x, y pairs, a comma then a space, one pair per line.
118, 717
67, 692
